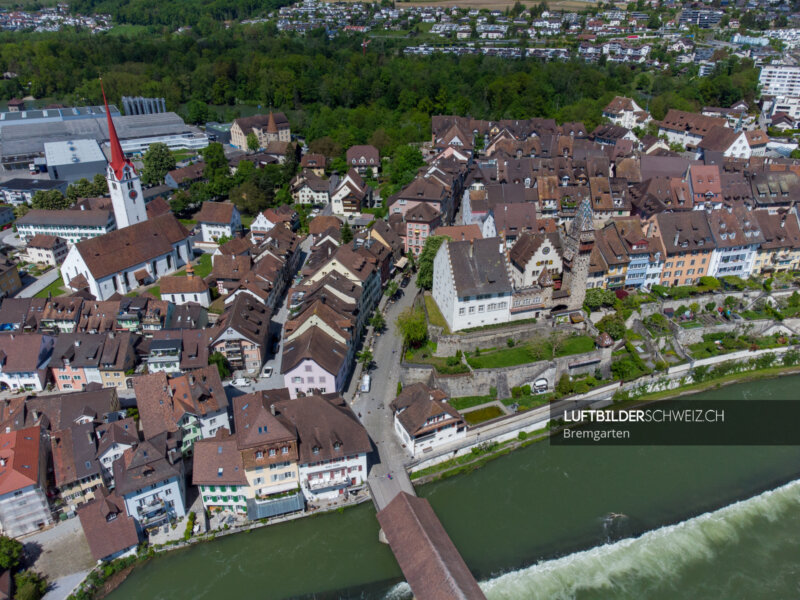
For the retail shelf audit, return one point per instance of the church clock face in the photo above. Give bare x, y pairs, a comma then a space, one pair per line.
132, 194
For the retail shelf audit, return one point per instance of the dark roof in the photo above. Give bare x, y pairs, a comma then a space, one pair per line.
31, 185
685, 231
422, 213
106, 525
323, 423
149, 463
131, 246
314, 344
74, 453
248, 317
479, 267
24, 352
417, 403
77, 218
427, 556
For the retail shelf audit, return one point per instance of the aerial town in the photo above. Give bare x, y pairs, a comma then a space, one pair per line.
214, 326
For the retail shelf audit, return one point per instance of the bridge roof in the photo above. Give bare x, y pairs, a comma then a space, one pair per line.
430, 561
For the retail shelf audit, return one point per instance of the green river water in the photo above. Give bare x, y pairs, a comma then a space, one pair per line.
544, 522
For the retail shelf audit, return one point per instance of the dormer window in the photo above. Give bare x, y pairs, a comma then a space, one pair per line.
315, 450
337, 445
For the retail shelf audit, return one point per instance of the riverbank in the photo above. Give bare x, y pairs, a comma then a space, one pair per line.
492, 450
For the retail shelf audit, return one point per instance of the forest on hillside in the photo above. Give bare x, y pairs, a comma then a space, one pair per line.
330, 88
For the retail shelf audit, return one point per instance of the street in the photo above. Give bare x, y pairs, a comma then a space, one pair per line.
37, 285
373, 407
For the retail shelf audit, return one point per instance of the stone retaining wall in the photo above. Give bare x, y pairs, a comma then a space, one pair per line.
448, 345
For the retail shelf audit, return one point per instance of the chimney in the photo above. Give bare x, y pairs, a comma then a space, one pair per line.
272, 410
677, 234
471, 244
3, 460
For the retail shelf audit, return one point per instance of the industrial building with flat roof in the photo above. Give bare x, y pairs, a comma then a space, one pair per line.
20, 145
74, 160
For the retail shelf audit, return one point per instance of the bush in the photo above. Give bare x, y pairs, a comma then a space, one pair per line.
510, 343
399, 387
613, 325
452, 361
711, 307
190, 520
522, 435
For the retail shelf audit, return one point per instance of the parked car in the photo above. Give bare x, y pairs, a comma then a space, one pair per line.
365, 384
266, 372
404, 283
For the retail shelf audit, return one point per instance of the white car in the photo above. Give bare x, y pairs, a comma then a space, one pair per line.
266, 372
239, 382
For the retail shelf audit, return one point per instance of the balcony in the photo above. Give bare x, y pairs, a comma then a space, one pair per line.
326, 485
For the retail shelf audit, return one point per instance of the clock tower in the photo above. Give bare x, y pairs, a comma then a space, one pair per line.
123, 181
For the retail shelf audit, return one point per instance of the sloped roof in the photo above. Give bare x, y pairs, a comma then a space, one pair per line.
131, 246
19, 451
106, 524
479, 267
219, 213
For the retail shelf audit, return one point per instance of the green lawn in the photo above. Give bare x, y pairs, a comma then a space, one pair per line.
424, 355
247, 220
201, 269
155, 291
483, 414
434, 314
530, 401
466, 402
188, 222
529, 352
54, 289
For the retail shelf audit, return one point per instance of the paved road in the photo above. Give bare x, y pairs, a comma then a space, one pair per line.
10, 237
61, 588
39, 284
373, 407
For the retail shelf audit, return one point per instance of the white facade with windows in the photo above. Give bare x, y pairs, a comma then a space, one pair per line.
329, 479
734, 260
780, 80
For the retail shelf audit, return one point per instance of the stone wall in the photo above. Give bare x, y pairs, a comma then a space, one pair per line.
480, 381
448, 345
695, 334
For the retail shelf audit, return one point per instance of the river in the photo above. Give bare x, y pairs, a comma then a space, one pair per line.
544, 522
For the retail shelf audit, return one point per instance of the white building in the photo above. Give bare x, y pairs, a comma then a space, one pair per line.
123, 260
779, 80
24, 358
471, 285
424, 421
150, 479
23, 481
113, 439
72, 226
184, 290
737, 237
625, 112
218, 220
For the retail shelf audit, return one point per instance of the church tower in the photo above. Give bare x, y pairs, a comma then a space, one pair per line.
123, 181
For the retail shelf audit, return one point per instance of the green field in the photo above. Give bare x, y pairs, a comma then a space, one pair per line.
54, 289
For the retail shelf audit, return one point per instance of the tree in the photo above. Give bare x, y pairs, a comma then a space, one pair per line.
425, 262
180, 201
377, 321
326, 146
252, 142
100, 184
223, 366
413, 326
391, 289
365, 358
197, 112
347, 233
216, 163
83, 188
249, 198
613, 325
30, 585
10, 553
597, 297
158, 161
50, 200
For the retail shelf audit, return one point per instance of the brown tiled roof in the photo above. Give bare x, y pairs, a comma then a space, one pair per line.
427, 556
247, 124
217, 461
321, 223
370, 153
422, 213
255, 424
780, 230
74, 453
123, 431
215, 212
163, 400
315, 345
228, 267
149, 463
619, 105
528, 243
157, 207
137, 244
24, 352
62, 410
341, 323
313, 161
460, 232
685, 231
692, 122
235, 247
248, 317
188, 173
516, 217
417, 403
324, 423
106, 524
47, 242
20, 451
719, 138
183, 285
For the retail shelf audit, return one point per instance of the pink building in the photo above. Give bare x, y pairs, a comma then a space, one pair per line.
314, 363
420, 222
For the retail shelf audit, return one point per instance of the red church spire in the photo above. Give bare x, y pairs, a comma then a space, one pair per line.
118, 160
